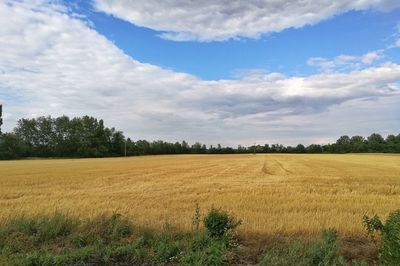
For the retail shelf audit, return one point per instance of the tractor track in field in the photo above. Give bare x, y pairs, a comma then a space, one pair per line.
281, 169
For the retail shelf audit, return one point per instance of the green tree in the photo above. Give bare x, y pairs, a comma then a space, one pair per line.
375, 142
358, 144
300, 148
1, 115
11, 147
343, 144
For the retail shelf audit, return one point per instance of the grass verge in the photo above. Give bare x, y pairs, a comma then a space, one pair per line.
60, 239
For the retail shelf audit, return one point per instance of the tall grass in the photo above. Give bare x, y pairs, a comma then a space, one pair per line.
114, 240
104, 240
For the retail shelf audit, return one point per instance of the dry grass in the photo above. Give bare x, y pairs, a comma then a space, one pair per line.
288, 194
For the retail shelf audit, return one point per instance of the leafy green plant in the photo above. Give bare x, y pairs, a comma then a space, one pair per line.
389, 246
166, 250
196, 217
215, 253
325, 252
218, 223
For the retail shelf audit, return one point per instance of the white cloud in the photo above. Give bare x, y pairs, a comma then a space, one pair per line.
397, 43
371, 57
53, 64
210, 20
346, 62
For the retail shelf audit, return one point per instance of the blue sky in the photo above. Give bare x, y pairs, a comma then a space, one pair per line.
227, 71
352, 33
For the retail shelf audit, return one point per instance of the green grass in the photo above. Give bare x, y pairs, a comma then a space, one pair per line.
61, 239
104, 240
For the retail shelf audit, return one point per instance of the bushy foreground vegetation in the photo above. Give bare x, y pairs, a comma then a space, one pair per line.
389, 245
88, 137
113, 240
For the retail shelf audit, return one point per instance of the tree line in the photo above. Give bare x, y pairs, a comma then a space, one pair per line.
88, 137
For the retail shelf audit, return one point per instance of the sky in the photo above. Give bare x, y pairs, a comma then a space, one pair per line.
228, 71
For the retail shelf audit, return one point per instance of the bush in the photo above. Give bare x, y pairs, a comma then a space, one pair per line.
166, 250
389, 248
325, 252
204, 250
11, 147
218, 223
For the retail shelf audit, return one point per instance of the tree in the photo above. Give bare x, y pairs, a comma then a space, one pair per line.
358, 144
196, 148
1, 115
391, 144
88, 137
375, 142
11, 147
300, 148
314, 148
117, 143
143, 147
343, 140
343, 144
185, 147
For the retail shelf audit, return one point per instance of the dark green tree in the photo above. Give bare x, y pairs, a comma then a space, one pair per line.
1, 115
375, 143
358, 144
11, 147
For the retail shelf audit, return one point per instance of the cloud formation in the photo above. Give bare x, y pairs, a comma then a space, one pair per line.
346, 62
210, 20
54, 64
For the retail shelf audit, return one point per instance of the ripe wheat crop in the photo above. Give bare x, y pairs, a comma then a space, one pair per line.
272, 193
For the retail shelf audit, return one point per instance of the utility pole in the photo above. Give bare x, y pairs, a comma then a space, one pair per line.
125, 147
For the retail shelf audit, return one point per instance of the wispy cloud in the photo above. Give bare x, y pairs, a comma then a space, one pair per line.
346, 62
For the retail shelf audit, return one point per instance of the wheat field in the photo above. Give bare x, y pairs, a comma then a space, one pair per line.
271, 193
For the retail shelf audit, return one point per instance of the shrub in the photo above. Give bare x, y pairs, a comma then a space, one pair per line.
199, 241
325, 252
218, 223
108, 240
204, 250
389, 248
166, 250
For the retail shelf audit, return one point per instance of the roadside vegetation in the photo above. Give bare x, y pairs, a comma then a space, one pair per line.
60, 239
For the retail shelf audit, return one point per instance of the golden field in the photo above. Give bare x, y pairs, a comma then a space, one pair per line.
271, 193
